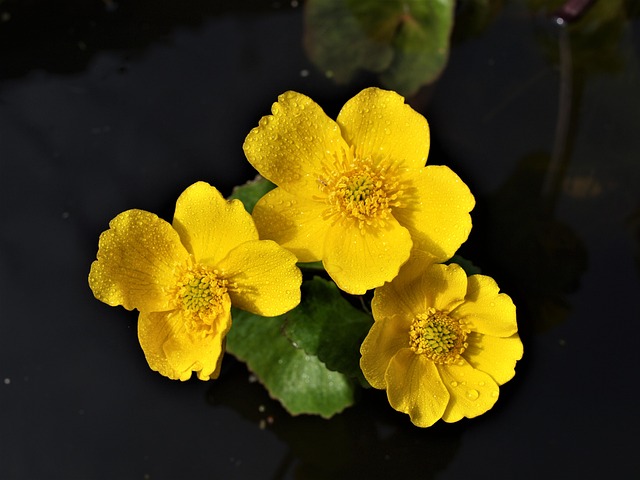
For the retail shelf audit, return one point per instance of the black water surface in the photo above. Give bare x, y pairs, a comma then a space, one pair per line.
109, 105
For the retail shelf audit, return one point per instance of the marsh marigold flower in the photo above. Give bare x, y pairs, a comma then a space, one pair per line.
442, 343
183, 278
355, 193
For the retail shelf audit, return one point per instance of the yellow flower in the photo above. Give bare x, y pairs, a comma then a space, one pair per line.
183, 278
441, 343
355, 193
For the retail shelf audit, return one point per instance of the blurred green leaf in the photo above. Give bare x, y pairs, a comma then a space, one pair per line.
327, 325
406, 41
421, 45
301, 382
251, 192
337, 43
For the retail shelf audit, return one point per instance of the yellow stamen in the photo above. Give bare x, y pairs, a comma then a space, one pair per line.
202, 295
362, 190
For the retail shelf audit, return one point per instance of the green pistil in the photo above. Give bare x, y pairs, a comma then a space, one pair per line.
360, 188
438, 336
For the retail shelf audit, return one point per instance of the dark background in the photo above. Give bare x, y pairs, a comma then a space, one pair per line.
106, 106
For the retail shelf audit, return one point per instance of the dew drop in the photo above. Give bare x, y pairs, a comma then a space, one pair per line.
494, 394
472, 394
481, 384
454, 384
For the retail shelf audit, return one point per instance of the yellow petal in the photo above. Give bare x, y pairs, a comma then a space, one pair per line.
294, 222
210, 226
414, 387
438, 214
379, 124
493, 355
486, 310
174, 352
404, 295
385, 338
418, 287
359, 260
291, 146
389, 301
444, 286
137, 259
264, 276
471, 391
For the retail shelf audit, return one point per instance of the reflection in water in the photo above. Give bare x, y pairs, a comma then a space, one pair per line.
525, 240
634, 223
473, 17
368, 441
64, 36
529, 245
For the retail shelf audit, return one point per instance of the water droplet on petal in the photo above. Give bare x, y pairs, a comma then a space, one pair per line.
454, 384
472, 394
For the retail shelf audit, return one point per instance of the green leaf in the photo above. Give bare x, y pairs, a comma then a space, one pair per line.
318, 266
327, 325
406, 41
301, 382
336, 40
421, 45
252, 191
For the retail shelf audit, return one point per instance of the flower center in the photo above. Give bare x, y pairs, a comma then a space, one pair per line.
358, 189
438, 336
361, 190
203, 296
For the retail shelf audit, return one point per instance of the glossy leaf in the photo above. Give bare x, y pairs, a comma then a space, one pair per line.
301, 382
327, 325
